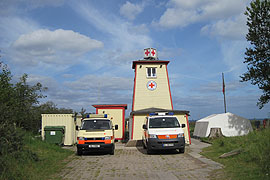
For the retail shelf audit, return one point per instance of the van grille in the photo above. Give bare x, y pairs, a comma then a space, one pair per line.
102, 138
175, 142
94, 143
174, 136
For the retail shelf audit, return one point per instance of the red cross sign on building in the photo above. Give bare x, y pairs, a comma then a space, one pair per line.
150, 53
151, 85
146, 53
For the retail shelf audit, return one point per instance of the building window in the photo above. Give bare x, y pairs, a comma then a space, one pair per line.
151, 72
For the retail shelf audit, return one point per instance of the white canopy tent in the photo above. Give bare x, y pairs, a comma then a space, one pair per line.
230, 124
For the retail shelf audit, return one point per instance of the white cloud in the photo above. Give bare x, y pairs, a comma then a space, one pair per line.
185, 4
119, 31
124, 40
92, 89
12, 27
213, 87
104, 82
53, 47
233, 28
233, 56
46, 81
177, 18
85, 91
242, 105
130, 10
181, 13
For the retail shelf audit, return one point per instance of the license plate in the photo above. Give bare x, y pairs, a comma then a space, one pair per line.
94, 146
168, 145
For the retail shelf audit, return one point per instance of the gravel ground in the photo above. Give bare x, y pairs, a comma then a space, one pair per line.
135, 163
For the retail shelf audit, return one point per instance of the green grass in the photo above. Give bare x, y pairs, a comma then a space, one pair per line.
252, 163
39, 160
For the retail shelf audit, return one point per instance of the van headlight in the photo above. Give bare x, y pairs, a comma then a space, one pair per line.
80, 138
180, 135
108, 137
152, 136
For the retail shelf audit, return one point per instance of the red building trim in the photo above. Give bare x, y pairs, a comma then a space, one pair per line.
169, 87
133, 102
148, 62
188, 129
109, 105
134, 88
114, 106
132, 127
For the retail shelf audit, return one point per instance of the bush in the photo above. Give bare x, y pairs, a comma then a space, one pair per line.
36, 160
12, 150
11, 139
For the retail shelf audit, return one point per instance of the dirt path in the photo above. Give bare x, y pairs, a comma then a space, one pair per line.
134, 163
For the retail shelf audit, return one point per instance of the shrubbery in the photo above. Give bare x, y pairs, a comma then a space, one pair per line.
20, 114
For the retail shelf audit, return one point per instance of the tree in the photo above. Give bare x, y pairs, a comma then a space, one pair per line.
257, 56
27, 97
50, 108
83, 112
11, 139
6, 94
17, 102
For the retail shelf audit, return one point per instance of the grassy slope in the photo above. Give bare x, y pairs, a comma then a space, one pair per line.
252, 163
40, 160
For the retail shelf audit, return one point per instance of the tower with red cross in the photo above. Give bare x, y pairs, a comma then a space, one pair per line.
151, 89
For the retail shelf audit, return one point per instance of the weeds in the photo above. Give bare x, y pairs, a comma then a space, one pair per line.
36, 160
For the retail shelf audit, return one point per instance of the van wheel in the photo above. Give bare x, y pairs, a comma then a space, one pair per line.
149, 151
144, 147
181, 150
79, 152
112, 150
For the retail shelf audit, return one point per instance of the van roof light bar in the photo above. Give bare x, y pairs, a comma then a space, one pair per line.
96, 116
161, 113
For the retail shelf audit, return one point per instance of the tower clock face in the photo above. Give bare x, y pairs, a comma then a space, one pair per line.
151, 85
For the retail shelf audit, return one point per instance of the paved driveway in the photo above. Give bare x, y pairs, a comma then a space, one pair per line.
133, 163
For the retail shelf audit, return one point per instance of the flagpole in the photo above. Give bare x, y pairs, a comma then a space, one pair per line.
224, 92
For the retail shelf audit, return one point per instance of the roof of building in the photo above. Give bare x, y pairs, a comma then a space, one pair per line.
110, 105
152, 110
148, 61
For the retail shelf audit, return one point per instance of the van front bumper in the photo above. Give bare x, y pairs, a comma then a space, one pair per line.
158, 144
95, 147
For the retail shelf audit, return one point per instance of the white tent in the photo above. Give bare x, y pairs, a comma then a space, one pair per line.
230, 124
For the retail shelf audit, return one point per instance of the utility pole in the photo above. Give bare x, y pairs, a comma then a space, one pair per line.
223, 90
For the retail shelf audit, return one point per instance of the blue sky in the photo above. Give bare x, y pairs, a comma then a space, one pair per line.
83, 50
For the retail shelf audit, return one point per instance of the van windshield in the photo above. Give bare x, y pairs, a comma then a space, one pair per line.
96, 124
164, 122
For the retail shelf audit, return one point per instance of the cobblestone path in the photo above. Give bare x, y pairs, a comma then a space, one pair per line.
133, 163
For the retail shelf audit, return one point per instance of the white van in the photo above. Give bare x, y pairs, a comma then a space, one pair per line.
96, 134
163, 131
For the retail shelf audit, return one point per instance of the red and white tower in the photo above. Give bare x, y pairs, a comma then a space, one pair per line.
151, 87
152, 93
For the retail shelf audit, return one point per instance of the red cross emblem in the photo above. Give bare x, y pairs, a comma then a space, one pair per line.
153, 52
151, 85
147, 52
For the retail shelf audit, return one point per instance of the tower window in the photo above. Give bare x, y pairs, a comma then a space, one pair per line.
151, 72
